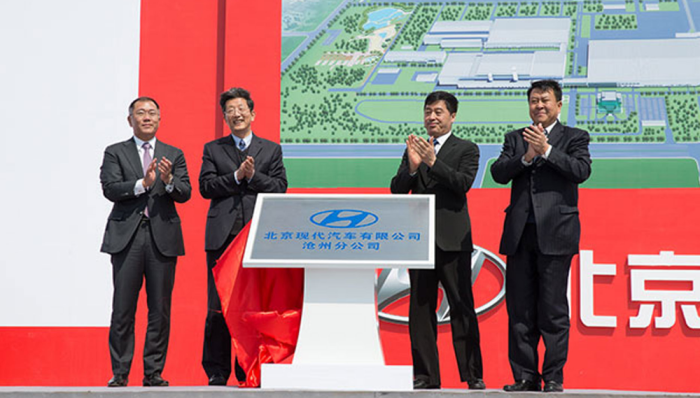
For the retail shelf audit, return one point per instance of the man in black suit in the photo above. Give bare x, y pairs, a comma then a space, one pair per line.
444, 166
545, 163
144, 178
234, 170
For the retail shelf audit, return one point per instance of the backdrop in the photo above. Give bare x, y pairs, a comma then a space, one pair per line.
69, 72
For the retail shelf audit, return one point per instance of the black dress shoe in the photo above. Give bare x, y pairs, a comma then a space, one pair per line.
154, 380
118, 381
217, 380
476, 384
522, 385
420, 384
553, 386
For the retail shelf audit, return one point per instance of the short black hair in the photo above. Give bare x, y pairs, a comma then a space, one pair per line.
139, 99
235, 92
546, 85
450, 100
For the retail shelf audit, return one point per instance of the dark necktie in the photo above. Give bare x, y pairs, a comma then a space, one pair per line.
241, 145
146, 162
435, 145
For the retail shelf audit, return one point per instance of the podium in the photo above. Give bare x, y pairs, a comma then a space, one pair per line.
340, 241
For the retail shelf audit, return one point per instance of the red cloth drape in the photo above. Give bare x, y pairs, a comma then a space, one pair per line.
262, 308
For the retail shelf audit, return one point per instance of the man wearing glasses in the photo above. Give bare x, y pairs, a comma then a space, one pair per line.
234, 170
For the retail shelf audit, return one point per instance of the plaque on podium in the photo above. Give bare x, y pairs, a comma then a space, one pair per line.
340, 241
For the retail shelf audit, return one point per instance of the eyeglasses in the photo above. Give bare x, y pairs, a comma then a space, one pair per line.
239, 111
152, 113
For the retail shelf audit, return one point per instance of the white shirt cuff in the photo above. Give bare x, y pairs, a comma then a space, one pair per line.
546, 154
139, 189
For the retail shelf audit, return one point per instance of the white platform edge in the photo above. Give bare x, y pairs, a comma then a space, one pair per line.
337, 377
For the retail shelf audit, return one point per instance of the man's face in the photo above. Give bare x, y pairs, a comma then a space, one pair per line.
144, 119
238, 116
437, 119
544, 107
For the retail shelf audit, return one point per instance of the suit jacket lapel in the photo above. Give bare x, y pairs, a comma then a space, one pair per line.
556, 135
255, 146
160, 151
229, 147
443, 153
132, 156
446, 147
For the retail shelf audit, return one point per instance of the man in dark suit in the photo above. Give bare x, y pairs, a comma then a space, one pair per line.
545, 163
144, 178
234, 170
444, 166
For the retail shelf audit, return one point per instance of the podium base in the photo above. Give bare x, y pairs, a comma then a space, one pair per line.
331, 377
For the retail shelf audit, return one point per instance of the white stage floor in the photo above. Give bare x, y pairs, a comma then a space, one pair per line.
232, 392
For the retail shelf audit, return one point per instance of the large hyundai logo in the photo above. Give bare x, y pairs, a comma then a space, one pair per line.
344, 218
393, 285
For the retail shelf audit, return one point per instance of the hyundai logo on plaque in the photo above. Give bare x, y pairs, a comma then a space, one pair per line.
344, 218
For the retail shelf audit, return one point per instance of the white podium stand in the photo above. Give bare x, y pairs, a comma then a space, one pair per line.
338, 346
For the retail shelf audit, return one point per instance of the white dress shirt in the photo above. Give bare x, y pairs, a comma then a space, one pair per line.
237, 141
139, 189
